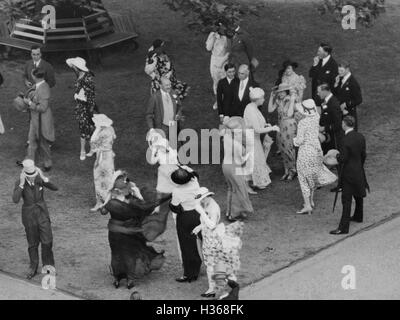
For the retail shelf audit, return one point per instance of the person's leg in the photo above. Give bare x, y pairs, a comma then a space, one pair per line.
83, 148
29, 220
45, 152
211, 282
359, 210
346, 202
46, 239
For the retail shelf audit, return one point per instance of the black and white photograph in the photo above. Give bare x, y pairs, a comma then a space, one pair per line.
199, 150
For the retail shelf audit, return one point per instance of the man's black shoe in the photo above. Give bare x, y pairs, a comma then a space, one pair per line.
338, 231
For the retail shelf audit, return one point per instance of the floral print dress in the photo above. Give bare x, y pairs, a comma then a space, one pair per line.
284, 138
312, 172
84, 109
101, 143
159, 66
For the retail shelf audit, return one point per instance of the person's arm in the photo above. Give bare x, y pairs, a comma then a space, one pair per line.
150, 112
210, 41
363, 152
176, 208
41, 104
299, 139
50, 186
18, 189
151, 65
292, 101
314, 68
211, 222
356, 97
272, 103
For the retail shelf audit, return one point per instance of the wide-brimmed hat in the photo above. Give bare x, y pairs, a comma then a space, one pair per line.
101, 120
219, 271
330, 158
29, 167
203, 193
78, 62
283, 87
182, 176
256, 93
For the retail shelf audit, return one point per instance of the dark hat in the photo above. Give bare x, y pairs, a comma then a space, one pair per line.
291, 63
157, 43
182, 176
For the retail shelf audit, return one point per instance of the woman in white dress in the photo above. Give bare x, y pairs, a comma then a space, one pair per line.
255, 121
218, 43
312, 173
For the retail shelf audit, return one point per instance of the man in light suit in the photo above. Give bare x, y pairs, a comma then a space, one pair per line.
164, 112
37, 62
41, 129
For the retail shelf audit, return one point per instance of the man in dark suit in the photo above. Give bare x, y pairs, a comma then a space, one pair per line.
241, 91
331, 118
225, 91
348, 92
323, 70
35, 63
41, 129
352, 178
164, 112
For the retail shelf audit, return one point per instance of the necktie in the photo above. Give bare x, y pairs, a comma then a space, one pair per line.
241, 85
340, 82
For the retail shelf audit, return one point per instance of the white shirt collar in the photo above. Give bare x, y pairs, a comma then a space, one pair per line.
328, 97
229, 80
348, 130
325, 60
39, 83
347, 76
245, 81
37, 63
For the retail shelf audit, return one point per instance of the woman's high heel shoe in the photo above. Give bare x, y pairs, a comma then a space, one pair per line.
305, 211
208, 295
186, 279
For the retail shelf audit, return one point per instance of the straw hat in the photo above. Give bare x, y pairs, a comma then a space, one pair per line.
256, 93
101, 120
29, 168
283, 87
330, 158
78, 62
203, 193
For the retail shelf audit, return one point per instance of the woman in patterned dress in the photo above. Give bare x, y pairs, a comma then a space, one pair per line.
255, 120
85, 100
159, 65
288, 76
101, 143
310, 168
283, 100
210, 215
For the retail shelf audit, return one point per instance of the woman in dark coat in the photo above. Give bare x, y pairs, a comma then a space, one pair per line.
183, 203
130, 228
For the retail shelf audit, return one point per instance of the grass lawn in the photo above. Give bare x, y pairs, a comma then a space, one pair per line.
290, 29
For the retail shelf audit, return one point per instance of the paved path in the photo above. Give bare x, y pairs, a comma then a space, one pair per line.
375, 255
16, 289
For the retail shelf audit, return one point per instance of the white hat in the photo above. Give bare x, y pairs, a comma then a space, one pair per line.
78, 62
203, 193
256, 93
309, 104
330, 157
101, 120
29, 167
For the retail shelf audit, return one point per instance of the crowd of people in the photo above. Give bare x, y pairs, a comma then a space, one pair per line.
312, 136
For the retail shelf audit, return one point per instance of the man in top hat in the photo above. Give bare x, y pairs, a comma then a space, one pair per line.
35, 215
38, 62
352, 178
323, 70
41, 129
348, 92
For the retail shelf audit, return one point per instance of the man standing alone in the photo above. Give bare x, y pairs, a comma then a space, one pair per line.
35, 216
352, 178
